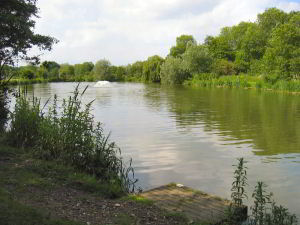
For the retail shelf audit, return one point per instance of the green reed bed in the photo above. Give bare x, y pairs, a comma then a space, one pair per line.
244, 81
68, 133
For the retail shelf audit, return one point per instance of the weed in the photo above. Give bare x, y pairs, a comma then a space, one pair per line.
139, 199
264, 211
261, 199
238, 192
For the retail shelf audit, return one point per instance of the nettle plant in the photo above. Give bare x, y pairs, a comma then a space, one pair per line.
264, 210
238, 192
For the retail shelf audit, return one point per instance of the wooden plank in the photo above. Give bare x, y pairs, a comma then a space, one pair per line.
196, 205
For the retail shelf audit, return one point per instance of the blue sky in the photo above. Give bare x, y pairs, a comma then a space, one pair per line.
124, 31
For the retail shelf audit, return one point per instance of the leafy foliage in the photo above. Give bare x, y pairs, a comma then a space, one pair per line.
102, 71
197, 59
151, 68
16, 38
182, 43
173, 71
17, 35
238, 192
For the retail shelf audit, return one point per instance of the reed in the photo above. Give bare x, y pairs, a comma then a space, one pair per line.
244, 81
69, 133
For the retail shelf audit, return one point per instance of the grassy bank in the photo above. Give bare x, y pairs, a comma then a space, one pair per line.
244, 81
35, 191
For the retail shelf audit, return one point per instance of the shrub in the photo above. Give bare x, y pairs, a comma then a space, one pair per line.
271, 78
223, 67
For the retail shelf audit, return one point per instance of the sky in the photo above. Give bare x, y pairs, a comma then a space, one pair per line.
125, 31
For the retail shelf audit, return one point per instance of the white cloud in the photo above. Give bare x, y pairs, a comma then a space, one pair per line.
125, 31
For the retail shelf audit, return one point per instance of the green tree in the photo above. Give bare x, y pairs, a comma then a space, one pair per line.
118, 72
28, 72
173, 71
83, 68
270, 19
42, 72
134, 71
52, 69
254, 42
16, 38
50, 65
151, 68
223, 67
17, 35
283, 53
182, 43
222, 46
102, 70
197, 59
66, 70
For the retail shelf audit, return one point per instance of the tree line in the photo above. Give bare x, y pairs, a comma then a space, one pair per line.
268, 47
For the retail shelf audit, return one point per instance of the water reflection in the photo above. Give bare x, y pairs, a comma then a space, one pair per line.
269, 121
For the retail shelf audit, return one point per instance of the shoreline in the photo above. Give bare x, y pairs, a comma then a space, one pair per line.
235, 81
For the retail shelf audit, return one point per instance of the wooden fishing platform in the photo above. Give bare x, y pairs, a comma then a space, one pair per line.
195, 205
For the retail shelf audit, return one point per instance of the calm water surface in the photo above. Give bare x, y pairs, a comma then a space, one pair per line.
193, 136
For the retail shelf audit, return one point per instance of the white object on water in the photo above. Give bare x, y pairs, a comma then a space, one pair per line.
179, 185
103, 83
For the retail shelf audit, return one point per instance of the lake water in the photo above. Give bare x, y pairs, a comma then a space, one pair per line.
193, 136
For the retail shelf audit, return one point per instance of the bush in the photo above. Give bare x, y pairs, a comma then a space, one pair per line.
223, 67
271, 78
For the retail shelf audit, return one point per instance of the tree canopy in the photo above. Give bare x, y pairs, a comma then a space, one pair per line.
182, 43
17, 35
267, 47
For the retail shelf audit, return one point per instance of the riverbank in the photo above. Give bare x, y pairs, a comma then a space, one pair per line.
244, 81
24, 81
200, 80
34, 191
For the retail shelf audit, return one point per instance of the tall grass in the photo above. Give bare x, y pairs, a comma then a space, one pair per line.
244, 81
25, 122
4, 102
69, 133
